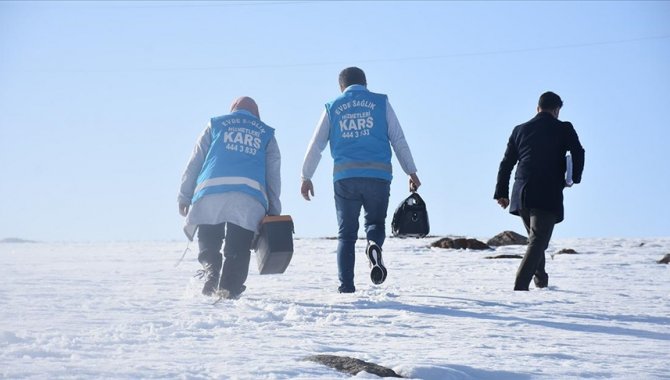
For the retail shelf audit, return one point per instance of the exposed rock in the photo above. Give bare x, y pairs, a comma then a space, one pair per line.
665, 259
566, 251
405, 237
507, 238
505, 257
352, 366
460, 243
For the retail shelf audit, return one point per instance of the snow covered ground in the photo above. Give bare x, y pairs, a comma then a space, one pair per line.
123, 311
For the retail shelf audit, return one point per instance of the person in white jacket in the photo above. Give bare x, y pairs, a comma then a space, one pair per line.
231, 182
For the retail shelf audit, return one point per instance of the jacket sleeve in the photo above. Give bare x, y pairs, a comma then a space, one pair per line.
194, 166
398, 141
577, 153
273, 177
505, 170
316, 147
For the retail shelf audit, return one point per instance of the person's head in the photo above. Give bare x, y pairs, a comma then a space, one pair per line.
350, 76
550, 102
245, 103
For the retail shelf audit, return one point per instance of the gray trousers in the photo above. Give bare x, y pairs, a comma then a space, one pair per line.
539, 225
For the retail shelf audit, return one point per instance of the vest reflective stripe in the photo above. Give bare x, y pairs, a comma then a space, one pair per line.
219, 181
362, 165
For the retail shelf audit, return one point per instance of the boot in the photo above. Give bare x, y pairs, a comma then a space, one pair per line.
211, 276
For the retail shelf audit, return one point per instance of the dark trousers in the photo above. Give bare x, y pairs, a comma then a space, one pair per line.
350, 195
237, 252
539, 225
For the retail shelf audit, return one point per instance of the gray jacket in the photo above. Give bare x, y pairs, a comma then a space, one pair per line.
232, 207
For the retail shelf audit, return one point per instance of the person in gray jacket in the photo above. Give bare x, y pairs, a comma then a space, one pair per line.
231, 182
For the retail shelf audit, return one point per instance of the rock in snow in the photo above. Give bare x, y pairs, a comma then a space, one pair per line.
566, 251
504, 257
507, 238
352, 366
460, 243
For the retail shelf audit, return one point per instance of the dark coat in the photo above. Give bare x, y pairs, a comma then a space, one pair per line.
539, 147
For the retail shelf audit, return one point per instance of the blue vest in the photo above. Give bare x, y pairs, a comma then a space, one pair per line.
359, 140
236, 157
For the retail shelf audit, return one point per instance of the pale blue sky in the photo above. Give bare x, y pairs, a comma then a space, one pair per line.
101, 103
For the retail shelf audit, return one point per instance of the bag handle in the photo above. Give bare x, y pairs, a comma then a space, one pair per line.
416, 197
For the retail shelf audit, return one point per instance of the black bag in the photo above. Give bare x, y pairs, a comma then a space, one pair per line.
411, 218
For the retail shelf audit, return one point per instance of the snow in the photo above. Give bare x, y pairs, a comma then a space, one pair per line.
123, 310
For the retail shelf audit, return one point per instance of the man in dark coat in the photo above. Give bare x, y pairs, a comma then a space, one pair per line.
539, 146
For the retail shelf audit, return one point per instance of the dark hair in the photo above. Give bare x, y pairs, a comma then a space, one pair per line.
549, 101
352, 75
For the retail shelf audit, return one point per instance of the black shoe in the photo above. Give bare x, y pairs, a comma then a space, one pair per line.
378, 272
211, 280
346, 289
541, 280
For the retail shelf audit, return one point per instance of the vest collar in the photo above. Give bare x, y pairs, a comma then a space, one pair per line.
244, 112
356, 87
